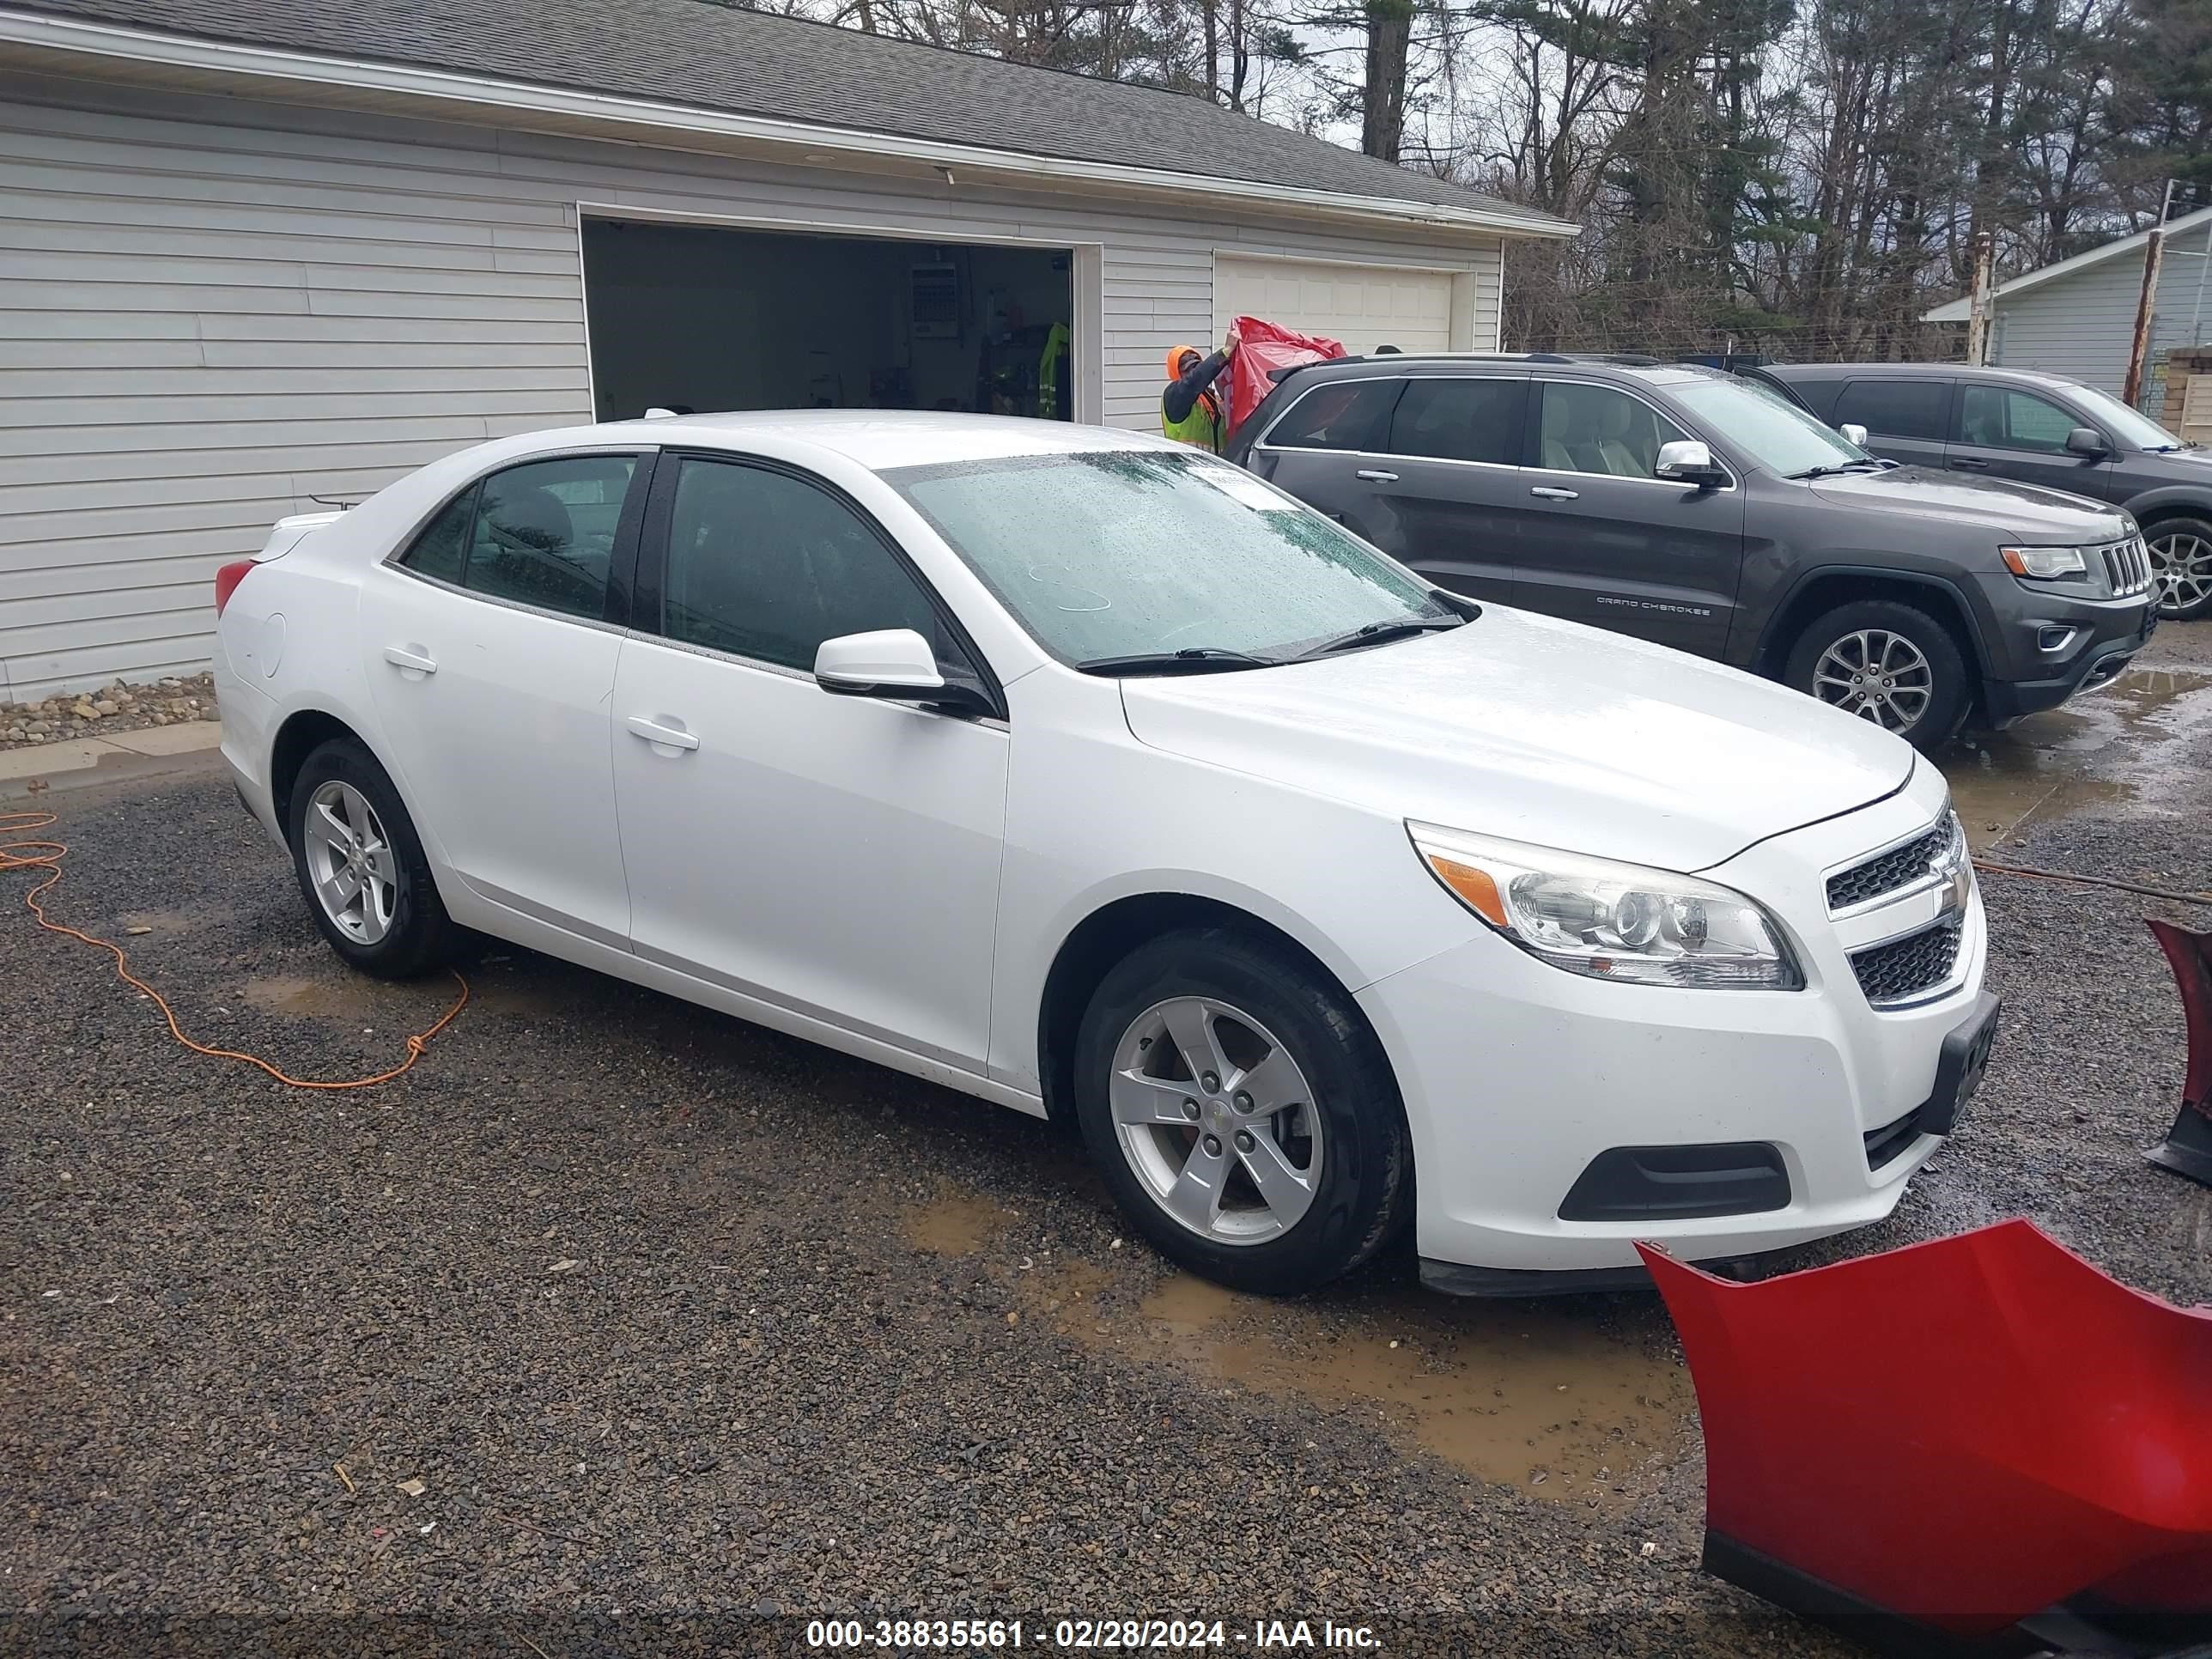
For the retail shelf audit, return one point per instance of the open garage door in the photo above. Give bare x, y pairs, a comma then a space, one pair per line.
1363, 305
700, 318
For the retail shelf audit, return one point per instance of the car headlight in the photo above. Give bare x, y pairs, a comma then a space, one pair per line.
1616, 921
2045, 563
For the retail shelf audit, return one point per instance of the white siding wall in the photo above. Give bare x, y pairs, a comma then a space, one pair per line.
213, 310
2081, 325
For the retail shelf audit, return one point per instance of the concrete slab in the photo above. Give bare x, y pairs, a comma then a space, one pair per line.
44, 759
183, 738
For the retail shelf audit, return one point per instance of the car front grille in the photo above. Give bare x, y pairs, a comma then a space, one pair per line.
1911, 967
1885, 872
2127, 566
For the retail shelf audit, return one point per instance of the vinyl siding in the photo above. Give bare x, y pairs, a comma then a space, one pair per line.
2083, 324
213, 310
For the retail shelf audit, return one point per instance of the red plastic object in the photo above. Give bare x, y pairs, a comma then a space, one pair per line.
1925, 1447
1261, 346
2187, 1148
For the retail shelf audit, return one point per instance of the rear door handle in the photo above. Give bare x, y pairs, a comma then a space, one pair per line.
1969, 463
667, 737
412, 658
1376, 476
1553, 493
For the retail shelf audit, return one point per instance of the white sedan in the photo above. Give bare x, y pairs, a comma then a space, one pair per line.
1087, 773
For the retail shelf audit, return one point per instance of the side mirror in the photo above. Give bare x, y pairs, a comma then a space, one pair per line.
2087, 440
896, 664
1853, 432
1686, 461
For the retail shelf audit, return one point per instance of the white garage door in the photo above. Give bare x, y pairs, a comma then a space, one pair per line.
1363, 305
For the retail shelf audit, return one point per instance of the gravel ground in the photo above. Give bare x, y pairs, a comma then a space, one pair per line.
690, 1332
118, 708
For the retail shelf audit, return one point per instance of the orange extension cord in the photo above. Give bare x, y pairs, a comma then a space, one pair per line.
19, 853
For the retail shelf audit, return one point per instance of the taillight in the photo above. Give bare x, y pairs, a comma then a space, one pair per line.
227, 580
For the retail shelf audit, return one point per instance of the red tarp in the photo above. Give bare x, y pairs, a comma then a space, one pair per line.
1263, 345
1953, 1436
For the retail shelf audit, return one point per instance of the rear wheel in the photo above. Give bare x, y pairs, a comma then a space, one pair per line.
1241, 1112
1889, 663
360, 866
2181, 567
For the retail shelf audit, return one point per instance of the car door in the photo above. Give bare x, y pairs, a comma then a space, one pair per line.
490, 652
835, 855
2003, 431
1907, 419
1606, 542
1449, 500
1326, 448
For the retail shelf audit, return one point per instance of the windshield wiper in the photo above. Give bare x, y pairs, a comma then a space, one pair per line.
1380, 633
1191, 659
1812, 472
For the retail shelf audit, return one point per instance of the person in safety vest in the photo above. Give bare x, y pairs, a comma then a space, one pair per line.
1191, 410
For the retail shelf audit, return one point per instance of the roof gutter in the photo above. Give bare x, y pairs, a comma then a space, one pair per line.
278, 67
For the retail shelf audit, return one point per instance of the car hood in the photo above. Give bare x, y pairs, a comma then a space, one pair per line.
1539, 730
2023, 510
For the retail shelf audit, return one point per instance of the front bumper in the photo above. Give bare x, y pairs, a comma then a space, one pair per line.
2099, 638
1517, 1076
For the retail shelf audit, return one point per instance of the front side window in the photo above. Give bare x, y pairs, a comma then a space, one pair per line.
1348, 415
1596, 429
1998, 417
1113, 554
1469, 419
764, 565
541, 534
1897, 409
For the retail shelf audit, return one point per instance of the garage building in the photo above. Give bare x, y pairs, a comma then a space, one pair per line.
260, 255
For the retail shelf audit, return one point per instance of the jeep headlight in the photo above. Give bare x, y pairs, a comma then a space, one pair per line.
2045, 563
1608, 920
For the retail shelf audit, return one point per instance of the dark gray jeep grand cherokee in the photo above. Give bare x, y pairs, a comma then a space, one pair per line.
1716, 515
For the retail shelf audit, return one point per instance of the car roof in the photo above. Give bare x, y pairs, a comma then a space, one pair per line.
877, 439
1651, 371
1916, 371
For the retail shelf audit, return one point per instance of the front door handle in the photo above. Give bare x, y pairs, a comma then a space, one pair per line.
411, 659
1553, 493
1969, 464
660, 736
1376, 474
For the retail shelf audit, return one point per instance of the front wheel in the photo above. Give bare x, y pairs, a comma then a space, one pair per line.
361, 866
1241, 1113
2181, 567
1888, 663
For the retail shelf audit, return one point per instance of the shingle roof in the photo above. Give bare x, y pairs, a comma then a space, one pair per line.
712, 57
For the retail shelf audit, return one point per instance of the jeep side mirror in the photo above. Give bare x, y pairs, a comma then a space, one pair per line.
1686, 461
1853, 432
2087, 440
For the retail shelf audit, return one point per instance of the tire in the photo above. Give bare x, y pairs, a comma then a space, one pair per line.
2181, 562
1930, 689
1338, 1131
408, 932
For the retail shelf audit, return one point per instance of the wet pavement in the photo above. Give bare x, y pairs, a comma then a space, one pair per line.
671, 1313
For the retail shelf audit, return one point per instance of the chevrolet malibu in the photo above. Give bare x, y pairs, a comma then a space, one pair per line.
1091, 775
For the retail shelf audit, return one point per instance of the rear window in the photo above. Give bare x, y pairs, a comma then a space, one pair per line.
1897, 409
1468, 420
1343, 415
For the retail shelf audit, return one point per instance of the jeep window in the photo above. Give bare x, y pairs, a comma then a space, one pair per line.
1343, 415
1461, 420
1999, 417
1766, 426
1599, 428
1897, 409
2133, 431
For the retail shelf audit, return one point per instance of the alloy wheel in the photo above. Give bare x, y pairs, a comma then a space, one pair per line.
350, 857
1215, 1118
1877, 675
2181, 572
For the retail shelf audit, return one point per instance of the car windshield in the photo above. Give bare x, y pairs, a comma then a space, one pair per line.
1766, 426
1112, 554
2133, 430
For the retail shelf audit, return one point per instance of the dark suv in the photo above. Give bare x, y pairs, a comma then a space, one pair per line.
2040, 429
1714, 514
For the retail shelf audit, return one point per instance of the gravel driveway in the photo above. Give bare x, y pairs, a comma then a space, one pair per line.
620, 1326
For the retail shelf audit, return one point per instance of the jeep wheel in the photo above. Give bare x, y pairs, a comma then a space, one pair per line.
1885, 662
2181, 567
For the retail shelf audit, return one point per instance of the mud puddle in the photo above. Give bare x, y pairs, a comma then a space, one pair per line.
1542, 1397
2118, 745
